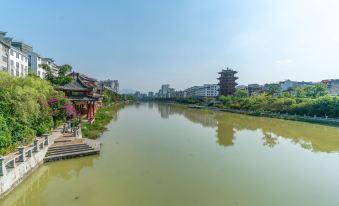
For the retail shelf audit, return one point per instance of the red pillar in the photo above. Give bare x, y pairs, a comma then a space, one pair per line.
88, 110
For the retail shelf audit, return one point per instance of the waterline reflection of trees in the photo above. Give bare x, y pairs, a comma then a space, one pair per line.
317, 138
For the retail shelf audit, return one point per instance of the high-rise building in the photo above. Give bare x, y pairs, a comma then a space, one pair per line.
112, 85
116, 86
150, 94
227, 82
166, 91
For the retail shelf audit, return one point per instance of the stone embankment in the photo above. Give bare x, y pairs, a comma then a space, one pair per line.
62, 143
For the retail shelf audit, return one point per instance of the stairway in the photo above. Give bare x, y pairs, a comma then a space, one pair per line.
64, 149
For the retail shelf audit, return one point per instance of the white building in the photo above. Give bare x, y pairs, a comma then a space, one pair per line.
288, 84
166, 91
207, 90
34, 62
50, 62
4, 52
18, 62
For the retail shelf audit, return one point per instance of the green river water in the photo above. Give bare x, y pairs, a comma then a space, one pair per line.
168, 155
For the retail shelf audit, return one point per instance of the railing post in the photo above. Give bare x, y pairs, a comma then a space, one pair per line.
22, 157
3, 170
29, 153
64, 128
11, 164
46, 142
36, 146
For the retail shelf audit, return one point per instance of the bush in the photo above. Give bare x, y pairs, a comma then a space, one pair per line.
24, 110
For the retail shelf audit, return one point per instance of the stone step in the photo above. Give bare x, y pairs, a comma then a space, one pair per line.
68, 147
69, 151
70, 155
62, 140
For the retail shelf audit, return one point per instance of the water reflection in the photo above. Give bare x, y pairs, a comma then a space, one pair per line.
38, 182
317, 138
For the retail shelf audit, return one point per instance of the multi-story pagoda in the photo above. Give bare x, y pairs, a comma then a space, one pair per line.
227, 82
85, 95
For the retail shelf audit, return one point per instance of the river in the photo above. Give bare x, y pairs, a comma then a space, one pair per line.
162, 154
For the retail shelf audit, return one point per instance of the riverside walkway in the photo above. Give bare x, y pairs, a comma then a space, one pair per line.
62, 143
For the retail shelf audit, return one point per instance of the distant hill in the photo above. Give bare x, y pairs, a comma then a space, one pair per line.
127, 91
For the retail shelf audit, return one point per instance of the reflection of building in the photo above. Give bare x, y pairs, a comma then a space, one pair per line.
84, 93
227, 124
207, 90
227, 82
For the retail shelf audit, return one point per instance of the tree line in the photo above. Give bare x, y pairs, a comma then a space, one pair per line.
311, 100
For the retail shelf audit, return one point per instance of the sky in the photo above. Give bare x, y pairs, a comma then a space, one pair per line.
184, 43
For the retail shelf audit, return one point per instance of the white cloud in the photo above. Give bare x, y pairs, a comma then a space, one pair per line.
284, 61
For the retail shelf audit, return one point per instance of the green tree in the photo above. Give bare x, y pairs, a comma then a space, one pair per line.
241, 93
273, 89
315, 91
62, 78
24, 109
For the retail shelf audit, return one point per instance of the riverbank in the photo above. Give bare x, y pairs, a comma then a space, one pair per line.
315, 120
17, 166
103, 116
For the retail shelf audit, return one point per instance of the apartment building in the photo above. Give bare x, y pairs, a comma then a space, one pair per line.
207, 90
4, 52
18, 62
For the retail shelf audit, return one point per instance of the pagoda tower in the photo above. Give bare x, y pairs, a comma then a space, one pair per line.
227, 82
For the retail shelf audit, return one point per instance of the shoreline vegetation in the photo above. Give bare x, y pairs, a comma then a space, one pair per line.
31, 107
103, 117
308, 104
111, 103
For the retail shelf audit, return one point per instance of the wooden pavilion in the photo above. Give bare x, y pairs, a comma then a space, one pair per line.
85, 95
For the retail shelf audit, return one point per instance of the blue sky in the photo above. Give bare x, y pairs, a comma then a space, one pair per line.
146, 43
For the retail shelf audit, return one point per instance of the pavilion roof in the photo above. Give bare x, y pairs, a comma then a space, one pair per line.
74, 85
84, 98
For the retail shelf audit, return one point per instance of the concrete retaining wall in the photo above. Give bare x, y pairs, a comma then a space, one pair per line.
11, 177
16, 175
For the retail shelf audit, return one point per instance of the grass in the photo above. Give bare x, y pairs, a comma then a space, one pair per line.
103, 116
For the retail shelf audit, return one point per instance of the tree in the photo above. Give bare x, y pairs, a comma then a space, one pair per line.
24, 109
61, 78
273, 89
241, 93
315, 91
299, 92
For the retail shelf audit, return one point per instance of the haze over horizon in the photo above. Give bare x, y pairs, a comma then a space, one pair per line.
184, 43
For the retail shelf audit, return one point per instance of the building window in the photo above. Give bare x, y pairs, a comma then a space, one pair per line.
4, 59
17, 55
12, 53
